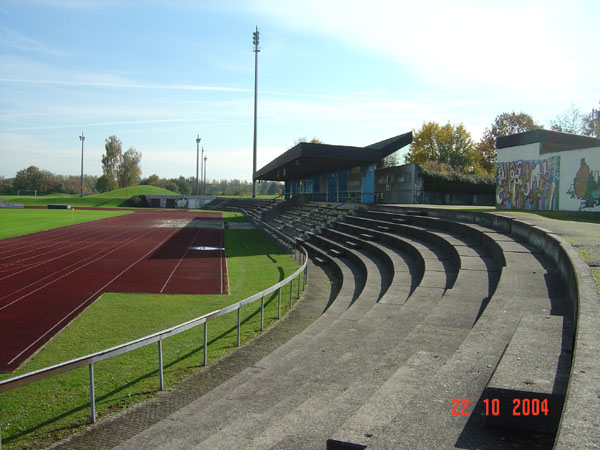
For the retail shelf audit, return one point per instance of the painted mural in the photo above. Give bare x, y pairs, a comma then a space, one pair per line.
528, 184
586, 186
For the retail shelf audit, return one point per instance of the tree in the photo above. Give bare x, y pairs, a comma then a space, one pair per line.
572, 121
569, 122
129, 168
505, 124
449, 144
30, 179
110, 163
591, 123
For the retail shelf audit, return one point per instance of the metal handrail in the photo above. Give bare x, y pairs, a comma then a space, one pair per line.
158, 337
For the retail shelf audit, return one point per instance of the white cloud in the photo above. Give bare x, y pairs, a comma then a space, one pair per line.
15, 40
506, 47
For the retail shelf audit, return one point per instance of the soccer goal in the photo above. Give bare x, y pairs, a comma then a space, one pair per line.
25, 192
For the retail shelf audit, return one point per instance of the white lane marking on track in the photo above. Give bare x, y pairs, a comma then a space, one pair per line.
45, 261
179, 262
74, 270
62, 268
89, 298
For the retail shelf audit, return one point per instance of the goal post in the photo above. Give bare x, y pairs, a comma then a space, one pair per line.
25, 192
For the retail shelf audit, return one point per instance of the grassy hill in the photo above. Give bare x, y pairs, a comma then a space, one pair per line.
111, 199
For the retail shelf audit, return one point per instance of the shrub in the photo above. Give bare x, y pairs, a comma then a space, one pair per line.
458, 182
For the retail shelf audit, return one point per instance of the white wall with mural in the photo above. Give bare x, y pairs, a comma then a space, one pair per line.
580, 174
565, 180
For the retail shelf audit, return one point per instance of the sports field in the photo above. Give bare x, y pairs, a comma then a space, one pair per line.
48, 278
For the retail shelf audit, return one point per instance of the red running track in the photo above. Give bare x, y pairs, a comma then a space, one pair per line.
48, 278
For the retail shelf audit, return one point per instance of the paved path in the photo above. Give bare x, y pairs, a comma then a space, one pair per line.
583, 236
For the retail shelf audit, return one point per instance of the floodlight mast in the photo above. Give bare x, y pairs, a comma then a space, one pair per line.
197, 161
204, 183
255, 39
82, 139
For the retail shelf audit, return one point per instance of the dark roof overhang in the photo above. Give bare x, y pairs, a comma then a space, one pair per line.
306, 159
551, 141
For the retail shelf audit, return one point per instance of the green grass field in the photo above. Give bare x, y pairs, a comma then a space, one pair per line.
112, 199
16, 222
38, 414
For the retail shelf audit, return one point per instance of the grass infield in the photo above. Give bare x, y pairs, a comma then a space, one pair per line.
41, 413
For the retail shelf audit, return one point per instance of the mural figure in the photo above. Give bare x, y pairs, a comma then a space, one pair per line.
586, 186
528, 184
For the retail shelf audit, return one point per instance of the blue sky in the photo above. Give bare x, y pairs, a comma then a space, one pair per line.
158, 73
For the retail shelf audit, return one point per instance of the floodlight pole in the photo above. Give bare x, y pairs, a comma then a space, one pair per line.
202, 168
82, 139
204, 183
255, 39
197, 161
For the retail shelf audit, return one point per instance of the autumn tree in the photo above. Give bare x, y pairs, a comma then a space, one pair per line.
129, 171
30, 178
449, 144
591, 123
505, 124
110, 163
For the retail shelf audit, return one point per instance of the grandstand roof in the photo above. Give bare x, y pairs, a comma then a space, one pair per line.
306, 159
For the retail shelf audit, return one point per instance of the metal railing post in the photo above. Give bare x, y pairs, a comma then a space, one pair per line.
205, 342
238, 325
305, 276
92, 394
278, 305
298, 280
291, 290
262, 312
160, 366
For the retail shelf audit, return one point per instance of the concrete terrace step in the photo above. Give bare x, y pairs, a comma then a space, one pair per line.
376, 271
424, 248
441, 331
405, 271
531, 378
423, 317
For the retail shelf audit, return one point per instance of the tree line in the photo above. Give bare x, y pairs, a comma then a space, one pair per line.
122, 169
187, 186
447, 148
437, 148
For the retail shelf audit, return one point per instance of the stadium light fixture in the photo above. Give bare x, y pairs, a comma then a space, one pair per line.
255, 39
197, 161
82, 139
204, 183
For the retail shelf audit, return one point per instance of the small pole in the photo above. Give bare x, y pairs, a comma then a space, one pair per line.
92, 394
262, 312
298, 277
238, 326
160, 366
81, 138
279, 303
291, 290
205, 342
305, 276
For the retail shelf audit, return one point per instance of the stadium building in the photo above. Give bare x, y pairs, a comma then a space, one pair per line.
332, 173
